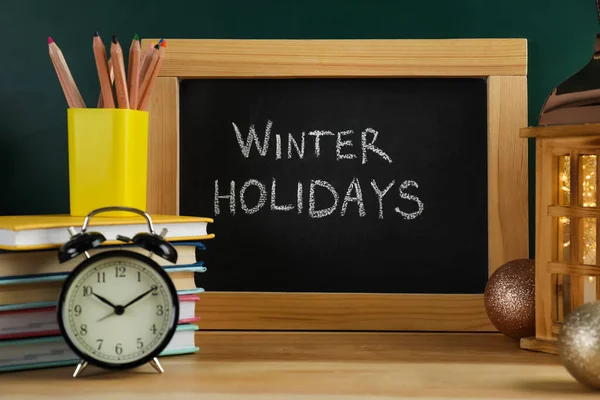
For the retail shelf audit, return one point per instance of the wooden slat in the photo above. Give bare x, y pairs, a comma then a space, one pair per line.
560, 131
577, 282
558, 297
556, 328
569, 211
573, 269
543, 346
507, 170
201, 58
342, 311
163, 148
546, 183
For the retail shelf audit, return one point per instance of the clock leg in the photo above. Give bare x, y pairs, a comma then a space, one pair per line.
79, 369
156, 365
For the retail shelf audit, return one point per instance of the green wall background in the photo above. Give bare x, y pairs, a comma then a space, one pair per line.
33, 140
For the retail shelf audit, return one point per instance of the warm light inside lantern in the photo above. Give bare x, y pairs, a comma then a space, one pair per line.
588, 198
564, 199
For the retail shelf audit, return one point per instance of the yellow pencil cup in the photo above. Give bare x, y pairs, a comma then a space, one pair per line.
108, 159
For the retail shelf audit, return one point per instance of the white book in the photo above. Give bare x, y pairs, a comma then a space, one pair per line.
27, 232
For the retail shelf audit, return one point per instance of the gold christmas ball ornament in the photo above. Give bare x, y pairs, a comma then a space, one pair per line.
579, 344
509, 298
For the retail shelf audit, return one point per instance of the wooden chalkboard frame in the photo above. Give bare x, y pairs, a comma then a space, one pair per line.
502, 61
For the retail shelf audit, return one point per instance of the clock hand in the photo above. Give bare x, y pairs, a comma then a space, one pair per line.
138, 298
102, 299
119, 310
106, 316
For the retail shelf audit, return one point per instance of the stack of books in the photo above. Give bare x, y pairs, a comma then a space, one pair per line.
31, 279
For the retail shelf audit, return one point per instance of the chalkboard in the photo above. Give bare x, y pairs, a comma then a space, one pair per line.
440, 119
369, 185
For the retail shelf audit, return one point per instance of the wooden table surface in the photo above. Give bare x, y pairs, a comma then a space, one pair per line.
303, 366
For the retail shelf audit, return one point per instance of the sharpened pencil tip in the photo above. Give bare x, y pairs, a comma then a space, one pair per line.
114, 39
163, 44
160, 41
96, 34
157, 46
50, 40
136, 37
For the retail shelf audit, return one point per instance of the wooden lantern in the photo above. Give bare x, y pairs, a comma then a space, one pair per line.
567, 226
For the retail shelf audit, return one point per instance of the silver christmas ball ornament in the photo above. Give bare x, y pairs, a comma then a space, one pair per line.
579, 344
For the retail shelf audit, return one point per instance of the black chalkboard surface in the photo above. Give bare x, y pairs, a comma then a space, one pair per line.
374, 185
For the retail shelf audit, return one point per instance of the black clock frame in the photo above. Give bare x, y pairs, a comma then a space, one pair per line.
83, 267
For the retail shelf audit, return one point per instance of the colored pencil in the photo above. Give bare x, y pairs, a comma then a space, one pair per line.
111, 72
147, 52
133, 73
69, 87
133, 85
143, 104
116, 53
145, 59
145, 76
103, 74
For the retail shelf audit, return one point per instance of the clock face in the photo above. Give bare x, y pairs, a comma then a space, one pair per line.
118, 309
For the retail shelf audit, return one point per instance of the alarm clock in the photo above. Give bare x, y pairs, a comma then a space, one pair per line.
117, 309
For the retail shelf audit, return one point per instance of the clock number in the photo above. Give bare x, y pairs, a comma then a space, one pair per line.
139, 276
140, 344
87, 291
101, 277
120, 272
118, 348
154, 290
159, 310
77, 310
153, 329
99, 341
83, 330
